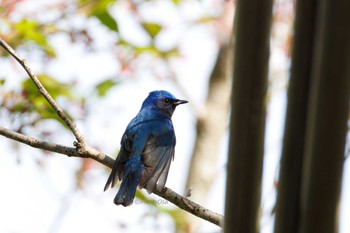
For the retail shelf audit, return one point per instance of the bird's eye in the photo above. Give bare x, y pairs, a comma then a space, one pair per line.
166, 101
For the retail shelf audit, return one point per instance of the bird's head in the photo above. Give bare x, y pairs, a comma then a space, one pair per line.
163, 101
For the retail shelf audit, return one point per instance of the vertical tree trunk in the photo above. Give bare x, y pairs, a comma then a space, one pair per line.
288, 200
250, 69
327, 119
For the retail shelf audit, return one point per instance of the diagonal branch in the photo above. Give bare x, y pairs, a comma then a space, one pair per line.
80, 138
84, 151
191, 207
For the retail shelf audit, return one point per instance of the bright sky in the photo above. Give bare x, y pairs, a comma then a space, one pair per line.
45, 200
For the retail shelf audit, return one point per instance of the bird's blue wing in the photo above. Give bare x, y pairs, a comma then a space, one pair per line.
156, 157
117, 172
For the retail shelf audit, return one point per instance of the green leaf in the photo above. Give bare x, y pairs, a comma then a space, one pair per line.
37, 103
21, 107
176, 2
92, 6
104, 86
31, 30
174, 52
152, 29
171, 53
54, 87
107, 20
2, 82
148, 49
206, 19
99, 9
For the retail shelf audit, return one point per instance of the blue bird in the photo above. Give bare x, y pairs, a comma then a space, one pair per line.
147, 148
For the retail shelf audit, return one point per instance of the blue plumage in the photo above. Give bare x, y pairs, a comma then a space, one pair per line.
147, 148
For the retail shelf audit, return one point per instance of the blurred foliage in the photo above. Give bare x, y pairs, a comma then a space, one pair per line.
27, 101
31, 30
161, 206
140, 50
152, 29
54, 87
36, 101
104, 86
25, 31
99, 9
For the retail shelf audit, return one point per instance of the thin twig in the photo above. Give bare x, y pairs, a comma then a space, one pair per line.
47, 96
88, 152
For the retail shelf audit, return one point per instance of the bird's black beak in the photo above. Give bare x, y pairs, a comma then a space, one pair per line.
178, 102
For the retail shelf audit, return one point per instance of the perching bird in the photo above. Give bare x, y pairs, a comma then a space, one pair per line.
147, 148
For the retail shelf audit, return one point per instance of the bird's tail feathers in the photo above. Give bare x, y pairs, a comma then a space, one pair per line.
112, 177
109, 181
127, 190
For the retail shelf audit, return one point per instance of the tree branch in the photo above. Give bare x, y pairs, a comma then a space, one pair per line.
191, 207
53, 147
80, 138
84, 151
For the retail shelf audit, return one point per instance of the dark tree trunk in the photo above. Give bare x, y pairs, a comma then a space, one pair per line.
250, 69
288, 200
327, 119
